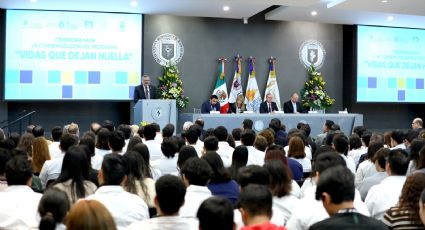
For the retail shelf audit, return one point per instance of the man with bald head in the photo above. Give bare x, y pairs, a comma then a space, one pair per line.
417, 124
293, 105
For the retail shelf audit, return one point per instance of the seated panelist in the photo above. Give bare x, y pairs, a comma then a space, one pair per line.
293, 105
269, 106
211, 105
238, 106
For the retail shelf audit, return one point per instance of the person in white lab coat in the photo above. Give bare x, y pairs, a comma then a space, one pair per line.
309, 210
384, 195
192, 139
170, 196
126, 208
367, 168
52, 168
149, 133
54, 149
167, 163
224, 149
255, 157
18, 202
281, 186
340, 144
196, 174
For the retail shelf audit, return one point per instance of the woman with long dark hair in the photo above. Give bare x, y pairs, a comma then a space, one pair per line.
294, 169
148, 170
132, 142
88, 145
221, 183
405, 215
239, 160
136, 182
25, 143
74, 176
415, 148
281, 186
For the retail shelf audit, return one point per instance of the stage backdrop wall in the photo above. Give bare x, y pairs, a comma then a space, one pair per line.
204, 40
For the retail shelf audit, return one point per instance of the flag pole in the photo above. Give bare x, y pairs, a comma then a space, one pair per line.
222, 61
272, 61
251, 61
238, 58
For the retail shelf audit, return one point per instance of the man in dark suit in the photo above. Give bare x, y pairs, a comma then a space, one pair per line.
269, 106
145, 90
417, 124
293, 105
336, 190
211, 105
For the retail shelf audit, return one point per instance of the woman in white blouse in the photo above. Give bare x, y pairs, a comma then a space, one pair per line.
74, 176
296, 152
281, 186
136, 182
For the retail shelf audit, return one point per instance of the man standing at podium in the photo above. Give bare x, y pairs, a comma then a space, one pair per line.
145, 90
211, 105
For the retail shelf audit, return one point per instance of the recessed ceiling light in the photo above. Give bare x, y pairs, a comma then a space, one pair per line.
332, 3
226, 8
384, 1
133, 3
314, 13
390, 18
33, 1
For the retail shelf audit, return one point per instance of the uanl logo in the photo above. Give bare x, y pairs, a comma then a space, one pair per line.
167, 48
313, 53
156, 113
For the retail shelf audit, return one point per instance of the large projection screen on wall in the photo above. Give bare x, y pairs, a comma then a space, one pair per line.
58, 55
390, 64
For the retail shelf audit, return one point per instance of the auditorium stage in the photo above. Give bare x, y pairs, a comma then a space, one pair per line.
261, 121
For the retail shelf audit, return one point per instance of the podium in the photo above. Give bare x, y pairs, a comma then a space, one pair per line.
161, 112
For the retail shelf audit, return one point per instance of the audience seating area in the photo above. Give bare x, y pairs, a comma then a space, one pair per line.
110, 176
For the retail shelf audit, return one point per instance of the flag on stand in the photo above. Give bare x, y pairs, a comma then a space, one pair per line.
236, 89
220, 87
272, 84
252, 95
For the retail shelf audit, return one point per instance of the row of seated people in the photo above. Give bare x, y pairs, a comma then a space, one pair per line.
295, 207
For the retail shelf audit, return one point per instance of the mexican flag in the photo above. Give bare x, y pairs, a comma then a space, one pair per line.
221, 88
252, 95
272, 84
236, 89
